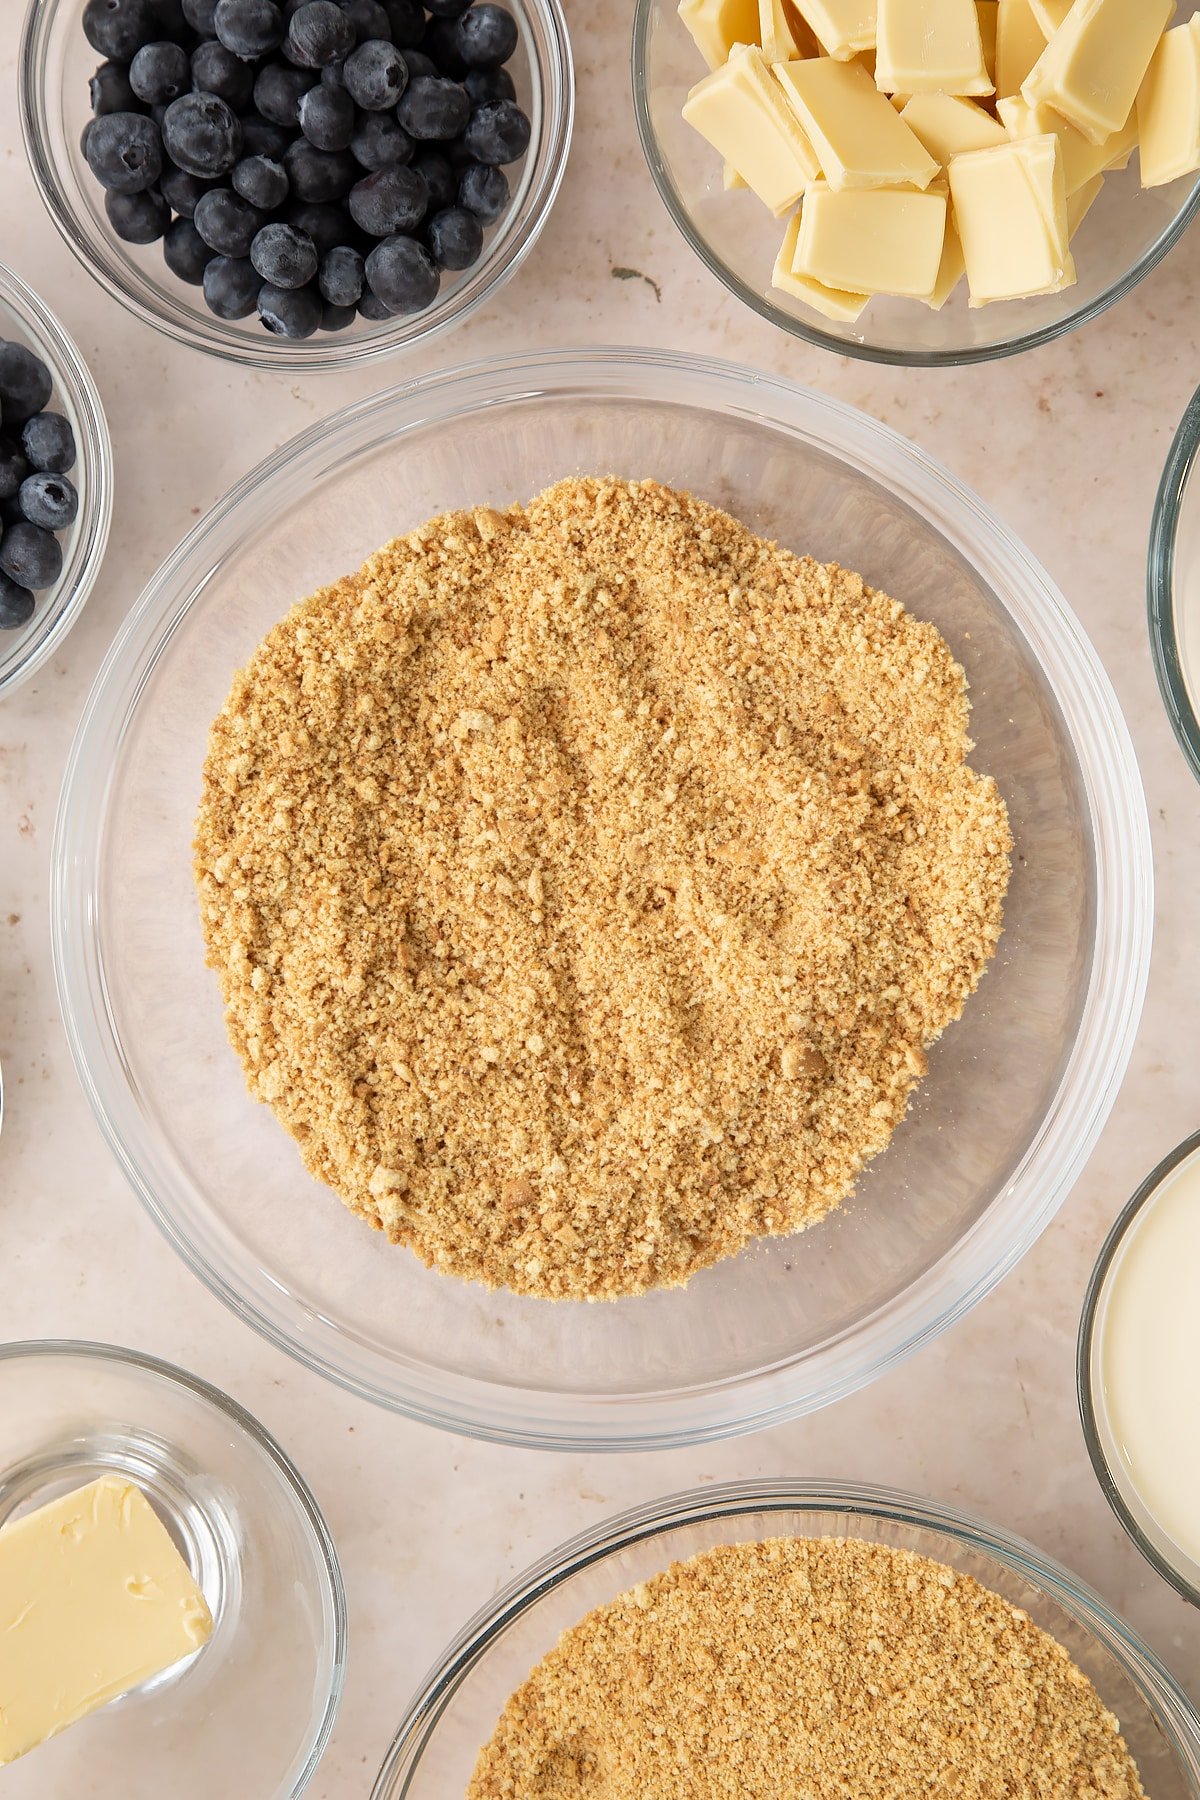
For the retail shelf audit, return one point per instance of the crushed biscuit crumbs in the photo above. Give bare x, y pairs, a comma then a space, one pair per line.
585, 881
826, 1668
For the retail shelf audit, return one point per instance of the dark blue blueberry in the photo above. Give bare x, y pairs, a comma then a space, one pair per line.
119, 28
402, 274
180, 190
327, 117
372, 307
391, 200
446, 9
49, 501
49, 443
369, 19
407, 20
440, 178
202, 134
489, 84
227, 223
260, 180
159, 73
263, 137
278, 91
290, 312
336, 318
216, 70
340, 277
16, 605
319, 175
318, 33
379, 141
25, 382
13, 468
434, 109
110, 90
185, 252
283, 256
231, 287
326, 225
201, 16
138, 218
30, 556
455, 237
376, 75
440, 42
125, 152
485, 36
420, 64
171, 21
498, 132
250, 28
483, 190
332, 76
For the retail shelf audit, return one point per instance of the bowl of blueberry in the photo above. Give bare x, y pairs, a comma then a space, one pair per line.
298, 184
56, 482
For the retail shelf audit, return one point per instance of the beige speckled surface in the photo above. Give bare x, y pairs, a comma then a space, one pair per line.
1067, 445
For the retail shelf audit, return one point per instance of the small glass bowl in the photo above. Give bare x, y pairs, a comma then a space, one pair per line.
56, 62
251, 1712
1173, 586
1126, 234
1112, 1471
455, 1712
26, 319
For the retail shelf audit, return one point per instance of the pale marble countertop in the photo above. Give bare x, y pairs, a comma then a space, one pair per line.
1067, 445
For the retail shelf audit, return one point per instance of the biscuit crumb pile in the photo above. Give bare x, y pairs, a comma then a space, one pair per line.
586, 882
826, 1669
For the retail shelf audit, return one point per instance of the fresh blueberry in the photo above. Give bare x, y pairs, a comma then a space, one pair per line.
420, 64
485, 36
138, 218
435, 109
391, 200
326, 225
455, 237
489, 84
283, 256
483, 190
180, 190
446, 9
278, 91
49, 443
402, 274
16, 605
378, 142
231, 287
336, 318
498, 132
332, 76
318, 33
125, 152
340, 277
30, 556
250, 28
440, 42
13, 468
119, 28
407, 21
372, 307
376, 75
369, 19
185, 252
327, 117
440, 178
49, 501
201, 16
216, 70
290, 312
227, 223
110, 90
159, 73
261, 181
202, 134
319, 174
263, 137
25, 382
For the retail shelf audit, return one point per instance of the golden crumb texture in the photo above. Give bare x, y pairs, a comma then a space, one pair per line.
819, 1668
587, 881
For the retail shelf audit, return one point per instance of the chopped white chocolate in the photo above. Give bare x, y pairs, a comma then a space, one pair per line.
843, 28
988, 28
835, 303
859, 138
1010, 207
782, 33
1081, 159
872, 240
1050, 14
1168, 107
948, 124
951, 269
740, 108
1079, 204
1020, 40
730, 179
717, 25
930, 47
1093, 66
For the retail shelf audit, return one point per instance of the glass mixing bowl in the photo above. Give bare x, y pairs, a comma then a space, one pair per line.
1126, 234
456, 1710
56, 62
1016, 1092
1173, 586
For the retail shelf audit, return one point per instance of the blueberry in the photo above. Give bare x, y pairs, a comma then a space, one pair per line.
49, 501
394, 199
407, 20
446, 9
25, 382
331, 76
159, 73
489, 84
171, 21
138, 218
340, 277
227, 223
49, 443
13, 468
261, 181
379, 141
376, 75
326, 225
455, 237
318, 33
402, 274
369, 19
327, 117
440, 178
216, 70
441, 43
180, 190
125, 152
420, 64
202, 134
290, 312
262, 137
16, 605
110, 90
119, 28
250, 28
231, 287
336, 318
201, 16
483, 190
434, 108
283, 256
372, 307
498, 132
185, 252
485, 36
319, 174
30, 556
278, 91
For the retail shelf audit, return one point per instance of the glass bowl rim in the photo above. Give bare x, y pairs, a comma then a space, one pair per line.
325, 351
544, 1418
1084, 1387
1160, 583
1158, 1688
825, 340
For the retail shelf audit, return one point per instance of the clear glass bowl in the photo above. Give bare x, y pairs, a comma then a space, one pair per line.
1016, 1092
1173, 586
26, 319
56, 62
252, 1711
1126, 234
456, 1710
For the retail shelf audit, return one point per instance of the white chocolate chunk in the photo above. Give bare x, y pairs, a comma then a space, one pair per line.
989, 26
872, 240
843, 28
783, 33
730, 179
835, 303
1168, 107
717, 25
1050, 14
948, 125
1080, 203
1081, 159
858, 136
930, 47
1010, 207
951, 270
1020, 40
740, 108
1092, 68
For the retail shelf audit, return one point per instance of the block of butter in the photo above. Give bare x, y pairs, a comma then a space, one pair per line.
1093, 66
717, 25
835, 303
843, 28
1010, 207
930, 47
94, 1599
740, 108
1168, 107
1081, 159
859, 138
782, 33
948, 125
872, 240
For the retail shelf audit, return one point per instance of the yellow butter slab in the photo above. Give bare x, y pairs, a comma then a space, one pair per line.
1080, 203
835, 303
1093, 66
1011, 212
1050, 14
717, 25
1020, 40
859, 138
1081, 159
951, 269
782, 33
843, 28
930, 47
988, 29
740, 108
94, 1600
1168, 107
948, 125
872, 240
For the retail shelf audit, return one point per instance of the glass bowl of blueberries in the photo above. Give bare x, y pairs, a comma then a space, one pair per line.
56, 482
298, 184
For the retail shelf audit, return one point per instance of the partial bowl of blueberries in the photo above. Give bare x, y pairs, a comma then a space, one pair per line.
298, 184
56, 482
